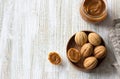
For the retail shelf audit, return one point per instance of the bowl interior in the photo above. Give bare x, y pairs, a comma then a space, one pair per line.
72, 44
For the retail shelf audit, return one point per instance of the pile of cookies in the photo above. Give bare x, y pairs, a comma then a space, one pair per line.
90, 51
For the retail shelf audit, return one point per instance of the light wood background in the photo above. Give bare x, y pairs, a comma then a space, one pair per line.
30, 29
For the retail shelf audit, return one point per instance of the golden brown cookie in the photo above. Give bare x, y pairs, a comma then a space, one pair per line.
90, 63
54, 58
100, 52
86, 50
73, 55
80, 38
94, 39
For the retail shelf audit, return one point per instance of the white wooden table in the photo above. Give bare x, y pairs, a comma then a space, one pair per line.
30, 29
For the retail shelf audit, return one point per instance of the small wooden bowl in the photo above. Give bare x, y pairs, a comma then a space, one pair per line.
71, 44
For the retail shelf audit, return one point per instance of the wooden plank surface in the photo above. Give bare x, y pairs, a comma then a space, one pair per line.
30, 29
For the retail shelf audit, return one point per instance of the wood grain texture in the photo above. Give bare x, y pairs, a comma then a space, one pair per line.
30, 29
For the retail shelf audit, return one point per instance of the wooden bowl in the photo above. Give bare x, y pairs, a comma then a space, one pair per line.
71, 44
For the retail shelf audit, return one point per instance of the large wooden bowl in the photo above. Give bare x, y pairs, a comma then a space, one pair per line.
71, 44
